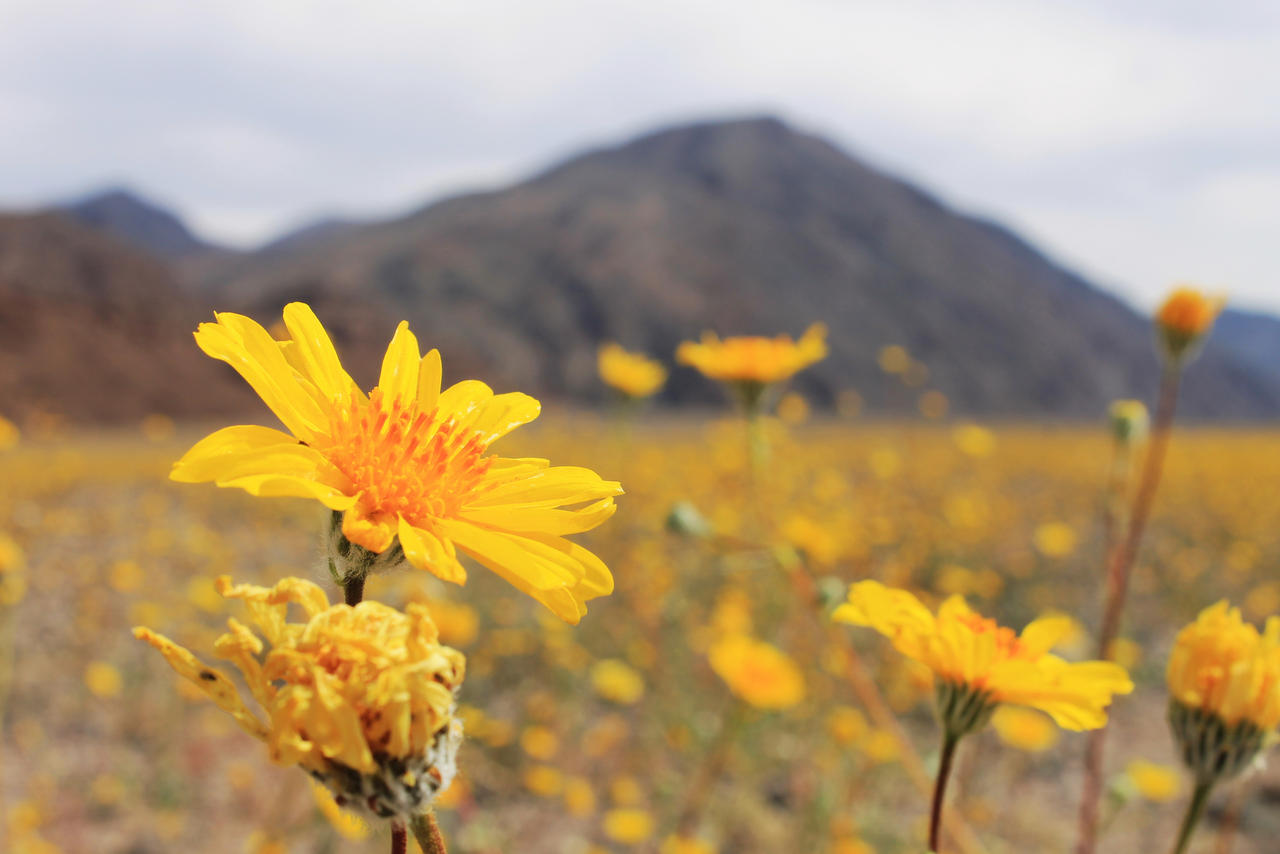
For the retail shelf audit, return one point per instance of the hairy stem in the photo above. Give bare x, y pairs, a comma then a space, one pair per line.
353, 589
427, 832
399, 839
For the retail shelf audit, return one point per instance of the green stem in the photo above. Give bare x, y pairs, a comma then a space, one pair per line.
949, 742
427, 832
1195, 810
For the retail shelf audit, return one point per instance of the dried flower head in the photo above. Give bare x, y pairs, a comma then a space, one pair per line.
361, 697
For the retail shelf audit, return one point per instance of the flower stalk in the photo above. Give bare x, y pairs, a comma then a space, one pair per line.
1195, 811
427, 832
949, 743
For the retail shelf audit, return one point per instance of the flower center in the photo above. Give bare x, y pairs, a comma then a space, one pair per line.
1007, 643
403, 460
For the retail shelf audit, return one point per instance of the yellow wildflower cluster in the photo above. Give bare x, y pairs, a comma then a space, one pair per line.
633, 374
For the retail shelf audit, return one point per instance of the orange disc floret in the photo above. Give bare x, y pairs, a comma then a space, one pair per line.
1185, 317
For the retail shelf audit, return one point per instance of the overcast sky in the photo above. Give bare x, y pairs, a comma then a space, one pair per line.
1137, 141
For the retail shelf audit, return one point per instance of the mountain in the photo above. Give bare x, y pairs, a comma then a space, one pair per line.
311, 234
92, 329
1250, 338
742, 227
139, 223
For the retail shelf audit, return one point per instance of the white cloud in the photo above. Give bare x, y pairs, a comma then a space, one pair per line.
1137, 140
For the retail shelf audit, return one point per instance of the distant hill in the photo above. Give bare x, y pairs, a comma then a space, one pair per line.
95, 330
742, 227
1250, 338
139, 223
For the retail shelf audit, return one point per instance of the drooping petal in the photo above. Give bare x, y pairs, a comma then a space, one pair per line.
424, 550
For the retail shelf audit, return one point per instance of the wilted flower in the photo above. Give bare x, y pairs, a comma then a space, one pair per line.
757, 672
633, 374
407, 466
361, 697
1184, 318
980, 664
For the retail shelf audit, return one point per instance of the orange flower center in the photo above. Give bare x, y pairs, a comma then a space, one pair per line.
401, 460
1007, 643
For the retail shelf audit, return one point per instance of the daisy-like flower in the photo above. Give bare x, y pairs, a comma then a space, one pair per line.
757, 672
361, 697
752, 363
408, 465
633, 374
979, 665
1184, 318
1224, 682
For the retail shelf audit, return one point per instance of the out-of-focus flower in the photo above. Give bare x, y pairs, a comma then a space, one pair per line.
633, 374
1024, 729
1154, 782
1224, 679
686, 845
544, 781
974, 440
894, 359
617, 682
1055, 539
1184, 318
103, 679
579, 796
757, 672
1129, 421
979, 664
9, 434
361, 697
408, 465
628, 826
752, 363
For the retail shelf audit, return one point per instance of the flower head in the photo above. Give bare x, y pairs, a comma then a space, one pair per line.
361, 697
406, 465
754, 359
759, 673
1129, 421
973, 657
1184, 318
633, 374
1225, 668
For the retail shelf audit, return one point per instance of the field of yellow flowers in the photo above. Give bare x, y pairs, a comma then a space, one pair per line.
623, 733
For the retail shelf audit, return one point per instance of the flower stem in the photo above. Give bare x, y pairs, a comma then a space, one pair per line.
1120, 560
353, 589
1195, 810
949, 742
399, 839
427, 832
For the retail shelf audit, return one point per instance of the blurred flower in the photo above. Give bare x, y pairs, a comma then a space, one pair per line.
846, 725
759, 673
579, 797
103, 680
1129, 421
1055, 539
894, 359
980, 664
793, 408
686, 845
633, 374
539, 742
628, 826
1224, 679
544, 781
750, 364
1024, 729
617, 682
974, 440
406, 463
1184, 318
933, 404
9, 434
1154, 782
361, 697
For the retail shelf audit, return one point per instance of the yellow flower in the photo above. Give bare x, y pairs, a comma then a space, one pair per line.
754, 359
9, 434
1024, 729
1226, 668
406, 462
759, 673
628, 826
633, 374
103, 679
1185, 317
1055, 539
361, 697
349, 825
617, 681
1129, 421
972, 655
1154, 782
686, 845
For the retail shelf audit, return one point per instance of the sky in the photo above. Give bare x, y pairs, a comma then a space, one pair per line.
1137, 142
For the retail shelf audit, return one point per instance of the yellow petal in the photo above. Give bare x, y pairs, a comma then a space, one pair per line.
424, 550
375, 533
541, 520
429, 373
399, 378
314, 350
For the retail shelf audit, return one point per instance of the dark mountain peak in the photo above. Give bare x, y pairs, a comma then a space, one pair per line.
137, 221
